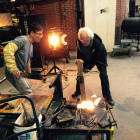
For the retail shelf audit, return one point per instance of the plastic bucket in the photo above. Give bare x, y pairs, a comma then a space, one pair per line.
27, 136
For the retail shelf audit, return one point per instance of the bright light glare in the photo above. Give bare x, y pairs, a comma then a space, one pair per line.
86, 104
97, 101
54, 40
94, 96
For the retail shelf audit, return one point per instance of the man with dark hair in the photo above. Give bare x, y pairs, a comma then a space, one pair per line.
92, 51
17, 56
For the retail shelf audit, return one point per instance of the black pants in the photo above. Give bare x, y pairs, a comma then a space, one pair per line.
104, 81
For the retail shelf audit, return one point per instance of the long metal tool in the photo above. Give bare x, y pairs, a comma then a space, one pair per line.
59, 109
2, 80
75, 120
51, 118
30, 120
112, 116
98, 121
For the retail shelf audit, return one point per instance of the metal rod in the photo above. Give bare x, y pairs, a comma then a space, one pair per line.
113, 118
80, 116
98, 121
75, 118
2, 80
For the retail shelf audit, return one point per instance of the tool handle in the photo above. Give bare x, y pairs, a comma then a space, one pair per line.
74, 107
14, 124
28, 117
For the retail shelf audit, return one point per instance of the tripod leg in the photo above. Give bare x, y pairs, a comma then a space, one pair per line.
51, 70
54, 67
57, 68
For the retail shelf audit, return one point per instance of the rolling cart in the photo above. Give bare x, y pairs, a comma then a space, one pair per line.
38, 127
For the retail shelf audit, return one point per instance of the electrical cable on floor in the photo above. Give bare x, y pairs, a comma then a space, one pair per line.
66, 86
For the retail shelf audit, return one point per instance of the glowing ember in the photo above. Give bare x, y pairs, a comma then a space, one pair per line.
54, 40
97, 101
94, 96
86, 105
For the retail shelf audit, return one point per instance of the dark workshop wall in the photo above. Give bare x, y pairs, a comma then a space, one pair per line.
69, 23
59, 16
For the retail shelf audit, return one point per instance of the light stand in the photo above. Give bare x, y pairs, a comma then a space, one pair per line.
54, 67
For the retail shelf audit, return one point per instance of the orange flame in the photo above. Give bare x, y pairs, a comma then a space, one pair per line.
86, 105
54, 40
89, 104
97, 101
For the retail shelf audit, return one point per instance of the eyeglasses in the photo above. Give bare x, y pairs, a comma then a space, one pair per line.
39, 34
84, 40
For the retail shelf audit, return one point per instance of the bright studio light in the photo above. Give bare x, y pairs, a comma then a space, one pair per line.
54, 40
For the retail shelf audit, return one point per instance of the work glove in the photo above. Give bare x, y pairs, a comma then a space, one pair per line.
86, 70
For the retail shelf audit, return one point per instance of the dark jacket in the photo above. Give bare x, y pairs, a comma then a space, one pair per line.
98, 53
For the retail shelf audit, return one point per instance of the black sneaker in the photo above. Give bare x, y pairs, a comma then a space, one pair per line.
75, 94
110, 101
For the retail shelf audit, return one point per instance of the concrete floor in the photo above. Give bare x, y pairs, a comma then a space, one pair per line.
124, 77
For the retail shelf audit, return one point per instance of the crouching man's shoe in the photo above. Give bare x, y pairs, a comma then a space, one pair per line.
110, 101
75, 94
